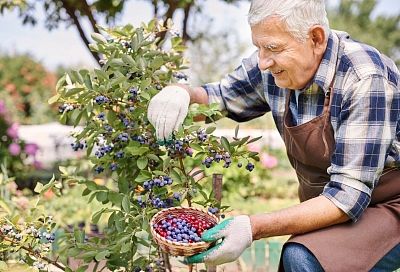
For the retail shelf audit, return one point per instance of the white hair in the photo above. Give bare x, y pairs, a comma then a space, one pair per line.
298, 15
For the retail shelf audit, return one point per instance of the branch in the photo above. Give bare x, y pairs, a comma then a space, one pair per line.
185, 35
71, 12
86, 9
37, 255
172, 6
155, 10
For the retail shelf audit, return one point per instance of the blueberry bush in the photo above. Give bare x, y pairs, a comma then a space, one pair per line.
146, 175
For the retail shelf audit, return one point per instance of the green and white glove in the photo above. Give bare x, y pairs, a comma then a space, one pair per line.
236, 236
167, 110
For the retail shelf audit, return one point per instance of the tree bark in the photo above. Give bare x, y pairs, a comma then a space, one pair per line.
87, 10
71, 12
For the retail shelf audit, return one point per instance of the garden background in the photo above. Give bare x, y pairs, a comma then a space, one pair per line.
41, 40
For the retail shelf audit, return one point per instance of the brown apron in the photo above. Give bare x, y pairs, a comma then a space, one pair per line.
348, 246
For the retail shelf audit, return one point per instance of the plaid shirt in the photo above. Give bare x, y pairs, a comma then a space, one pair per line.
365, 112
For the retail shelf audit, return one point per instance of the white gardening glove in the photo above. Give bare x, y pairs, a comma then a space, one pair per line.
237, 236
167, 110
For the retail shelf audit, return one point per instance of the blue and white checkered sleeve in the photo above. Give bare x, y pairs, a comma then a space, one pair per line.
365, 130
240, 94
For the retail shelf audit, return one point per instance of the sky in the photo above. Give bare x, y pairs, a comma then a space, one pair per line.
63, 46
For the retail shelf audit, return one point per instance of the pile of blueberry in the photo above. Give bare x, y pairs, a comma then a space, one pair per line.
179, 149
185, 228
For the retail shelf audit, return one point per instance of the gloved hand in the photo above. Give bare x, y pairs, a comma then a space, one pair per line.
167, 110
237, 236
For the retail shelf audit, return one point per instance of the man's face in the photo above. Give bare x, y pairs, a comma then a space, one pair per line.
291, 62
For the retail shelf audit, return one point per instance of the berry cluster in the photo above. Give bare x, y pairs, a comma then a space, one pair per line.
159, 182
185, 228
217, 157
179, 149
65, 108
101, 99
181, 77
213, 210
250, 166
201, 135
101, 116
156, 202
133, 92
103, 150
78, 145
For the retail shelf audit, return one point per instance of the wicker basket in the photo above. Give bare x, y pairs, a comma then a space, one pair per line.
180, 248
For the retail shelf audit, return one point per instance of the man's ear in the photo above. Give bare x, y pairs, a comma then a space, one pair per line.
317, 36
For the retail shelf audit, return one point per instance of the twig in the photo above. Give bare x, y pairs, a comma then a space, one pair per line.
37, 255
189, 198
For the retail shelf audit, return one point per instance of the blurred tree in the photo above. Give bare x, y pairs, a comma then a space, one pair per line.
358, 19
74, 12
24, 85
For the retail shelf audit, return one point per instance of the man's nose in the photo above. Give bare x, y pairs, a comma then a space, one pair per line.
265, 61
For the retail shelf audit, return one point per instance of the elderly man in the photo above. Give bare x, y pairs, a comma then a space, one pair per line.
336, 103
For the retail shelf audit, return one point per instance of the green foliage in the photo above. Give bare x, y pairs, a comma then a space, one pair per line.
26, 232
24, 85
111, 104
356, 18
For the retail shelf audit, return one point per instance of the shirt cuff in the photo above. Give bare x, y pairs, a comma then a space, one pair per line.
350, 200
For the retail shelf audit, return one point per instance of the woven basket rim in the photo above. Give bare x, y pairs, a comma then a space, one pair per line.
188, 245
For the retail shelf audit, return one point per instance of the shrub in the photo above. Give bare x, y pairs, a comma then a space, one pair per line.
147, 175
24, 85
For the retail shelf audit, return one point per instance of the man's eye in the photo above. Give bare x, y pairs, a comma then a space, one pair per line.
272, 48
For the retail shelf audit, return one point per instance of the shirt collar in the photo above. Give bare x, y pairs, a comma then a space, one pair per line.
326, 70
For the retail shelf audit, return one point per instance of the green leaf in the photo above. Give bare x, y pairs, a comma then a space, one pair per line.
254, 139
142, 162
101, 74
101, 255
158, 173
73, 91
175, 176
128, 60
53, 99
156, 63
145, 83
225, 144
143, 176
96, 216
116, 63
101, 196
83, 268
98, 38
236, 131
126, 204
136, 151
153, 157
4, 206
115, 198
210, 130
196, 147
79, 235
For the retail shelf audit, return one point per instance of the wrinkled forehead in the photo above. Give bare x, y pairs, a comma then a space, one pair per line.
272, 28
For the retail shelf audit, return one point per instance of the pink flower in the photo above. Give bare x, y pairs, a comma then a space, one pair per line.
37, 165
31, 149
254, 147
268, 161
12, 131
22, 202
2, 107
14, 149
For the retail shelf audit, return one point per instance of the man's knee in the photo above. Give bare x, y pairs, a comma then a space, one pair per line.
297, 257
